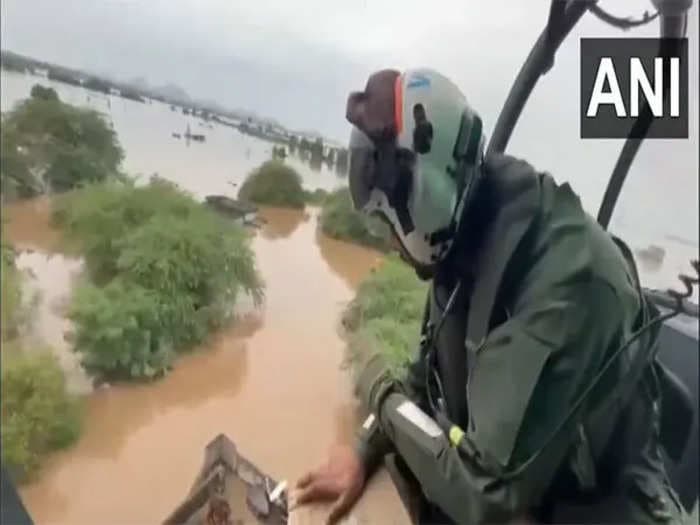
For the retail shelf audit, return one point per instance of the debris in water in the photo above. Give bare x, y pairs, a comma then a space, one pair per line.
241, 211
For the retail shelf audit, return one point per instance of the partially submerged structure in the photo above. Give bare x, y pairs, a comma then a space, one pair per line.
229, 489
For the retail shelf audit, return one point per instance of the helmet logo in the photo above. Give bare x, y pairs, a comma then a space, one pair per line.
418, 80
422, 131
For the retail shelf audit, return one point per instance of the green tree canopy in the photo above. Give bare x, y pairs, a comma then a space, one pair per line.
43, 93
273, 183
49, 146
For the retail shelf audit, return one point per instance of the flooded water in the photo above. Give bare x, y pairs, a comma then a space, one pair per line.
221, 163
272, 382
145, 132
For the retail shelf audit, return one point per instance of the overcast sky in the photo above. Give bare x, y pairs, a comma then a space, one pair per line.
292, 60
297, 60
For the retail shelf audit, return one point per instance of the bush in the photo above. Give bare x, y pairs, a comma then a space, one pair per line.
340, 220
100, 215
316, 197
166, 269
50, 146
43, 93
386, 314
38, 415
275, 184
119, 332
11, 293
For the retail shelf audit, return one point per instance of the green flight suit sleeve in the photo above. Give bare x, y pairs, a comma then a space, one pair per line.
527, 373
372, 444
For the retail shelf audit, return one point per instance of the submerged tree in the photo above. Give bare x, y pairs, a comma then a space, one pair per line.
49, 146
43, 93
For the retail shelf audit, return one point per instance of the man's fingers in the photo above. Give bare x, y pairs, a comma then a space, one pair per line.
340, 507
306, 479
317, 490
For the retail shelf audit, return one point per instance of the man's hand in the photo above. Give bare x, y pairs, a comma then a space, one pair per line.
340, 480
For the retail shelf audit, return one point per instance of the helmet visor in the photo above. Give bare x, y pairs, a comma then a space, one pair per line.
362, 167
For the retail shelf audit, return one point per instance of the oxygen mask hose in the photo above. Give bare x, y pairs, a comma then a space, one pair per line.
457, 435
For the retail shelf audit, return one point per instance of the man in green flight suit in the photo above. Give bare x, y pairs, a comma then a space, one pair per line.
524, 400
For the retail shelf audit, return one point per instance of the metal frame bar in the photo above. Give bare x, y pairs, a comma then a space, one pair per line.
563, 16
671, 27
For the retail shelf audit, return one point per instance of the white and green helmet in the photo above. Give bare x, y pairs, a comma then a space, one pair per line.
416, 150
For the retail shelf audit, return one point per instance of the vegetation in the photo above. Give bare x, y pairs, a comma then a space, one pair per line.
43, 93
48, 146
386, 314
165, 271
316, 197
63, 75
340, 220
11, 293
11, 63
275, 184
38, 415
279, 153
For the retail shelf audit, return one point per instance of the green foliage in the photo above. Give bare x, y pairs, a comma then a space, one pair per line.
386, 314
316, 197
340, 220
50, 146
43, 93
119, 332
275, 184
169, 269
11, 293
99, 216
38, 415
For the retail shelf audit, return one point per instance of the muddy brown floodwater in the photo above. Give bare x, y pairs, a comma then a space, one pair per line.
272, 382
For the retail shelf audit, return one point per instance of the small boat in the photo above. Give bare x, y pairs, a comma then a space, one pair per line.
229, 489
232, 208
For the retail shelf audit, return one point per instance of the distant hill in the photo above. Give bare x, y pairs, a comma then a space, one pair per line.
138, 83
167, 92
171, 92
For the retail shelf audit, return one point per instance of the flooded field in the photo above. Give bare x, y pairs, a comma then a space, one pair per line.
272, 382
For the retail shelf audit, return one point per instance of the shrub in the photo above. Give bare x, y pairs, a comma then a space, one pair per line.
48, 145
275, 184
340, 220
386, 314
166, 271
119, 332
38, 415
11, 293
316, 197
44, 93
196, 265
100, 215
